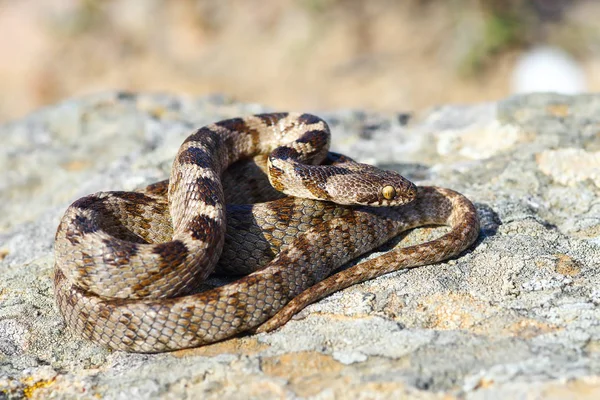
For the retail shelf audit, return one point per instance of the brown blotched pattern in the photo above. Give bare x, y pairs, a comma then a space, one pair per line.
126, 262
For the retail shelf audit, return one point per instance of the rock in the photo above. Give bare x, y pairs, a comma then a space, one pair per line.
515, 316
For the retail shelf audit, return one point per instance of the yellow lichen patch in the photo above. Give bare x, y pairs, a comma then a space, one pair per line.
242, 346
569, 166
463, 311
299, 365
565, 265
159, 112
156, 110
581, 388
384, 390
3, 254
593, 346
76, 165
307, 372
456, 310
558, 110
484, 383
587, 232
529, 328
32, 386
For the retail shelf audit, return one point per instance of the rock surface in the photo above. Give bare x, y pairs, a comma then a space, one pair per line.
516, 316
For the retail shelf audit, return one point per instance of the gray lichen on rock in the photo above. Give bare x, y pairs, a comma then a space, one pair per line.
516, 315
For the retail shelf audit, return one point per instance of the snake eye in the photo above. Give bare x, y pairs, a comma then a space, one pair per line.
388, 192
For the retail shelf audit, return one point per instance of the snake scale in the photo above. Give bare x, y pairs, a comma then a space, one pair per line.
128, 265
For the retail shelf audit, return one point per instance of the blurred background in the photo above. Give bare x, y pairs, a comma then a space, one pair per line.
404, 55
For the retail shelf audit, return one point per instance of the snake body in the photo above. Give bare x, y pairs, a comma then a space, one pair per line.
128, 263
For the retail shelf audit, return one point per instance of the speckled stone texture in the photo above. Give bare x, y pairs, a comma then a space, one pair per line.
516, 316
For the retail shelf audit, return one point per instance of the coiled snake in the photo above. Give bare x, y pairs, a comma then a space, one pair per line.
128, 264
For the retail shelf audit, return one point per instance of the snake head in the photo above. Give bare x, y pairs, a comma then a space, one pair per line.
372, 187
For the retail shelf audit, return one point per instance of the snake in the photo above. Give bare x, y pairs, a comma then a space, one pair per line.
260, 199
